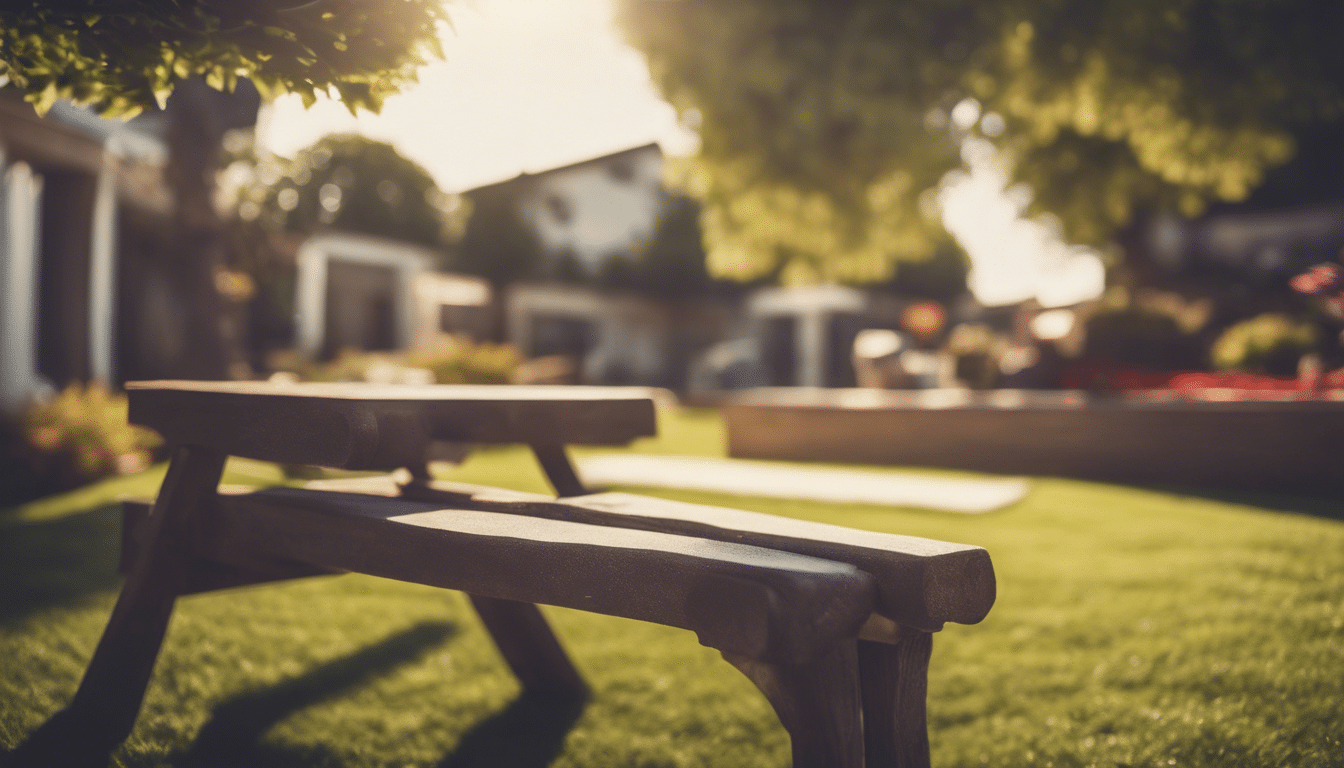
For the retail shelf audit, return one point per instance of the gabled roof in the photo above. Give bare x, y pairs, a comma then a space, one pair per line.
499, 185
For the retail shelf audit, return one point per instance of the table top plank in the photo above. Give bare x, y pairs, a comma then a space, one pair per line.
368, 426
398, 392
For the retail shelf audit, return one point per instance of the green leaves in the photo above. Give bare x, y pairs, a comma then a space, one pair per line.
350, 183
824, 125
805, 165
124, 55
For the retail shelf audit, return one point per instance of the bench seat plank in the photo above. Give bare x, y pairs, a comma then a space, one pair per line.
740, 599
921, 583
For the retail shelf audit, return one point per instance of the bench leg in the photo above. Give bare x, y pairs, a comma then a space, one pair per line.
108, 700
895, 687
530, 648
559, 470
818, 703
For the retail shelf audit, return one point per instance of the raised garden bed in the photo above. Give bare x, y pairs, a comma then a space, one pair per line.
1218, 440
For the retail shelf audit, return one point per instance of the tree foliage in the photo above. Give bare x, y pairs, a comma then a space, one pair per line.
824, 124
500, 245
125, 55
351, 183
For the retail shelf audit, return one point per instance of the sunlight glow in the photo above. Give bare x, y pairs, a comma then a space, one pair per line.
531, 85
526, 85
1012, 258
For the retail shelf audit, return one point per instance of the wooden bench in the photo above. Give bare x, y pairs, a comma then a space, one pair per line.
833, 625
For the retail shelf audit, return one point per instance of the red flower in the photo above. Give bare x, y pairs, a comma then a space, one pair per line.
1321, 280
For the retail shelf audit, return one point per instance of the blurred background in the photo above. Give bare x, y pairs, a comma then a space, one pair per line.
699, 195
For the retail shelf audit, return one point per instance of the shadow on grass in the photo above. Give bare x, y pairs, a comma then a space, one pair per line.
529, 733
232, 735
57, 561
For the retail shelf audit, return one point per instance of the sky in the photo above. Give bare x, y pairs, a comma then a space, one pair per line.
529, 85
526, 85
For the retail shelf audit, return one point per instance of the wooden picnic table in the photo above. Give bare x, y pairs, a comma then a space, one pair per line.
833, 625
368, 426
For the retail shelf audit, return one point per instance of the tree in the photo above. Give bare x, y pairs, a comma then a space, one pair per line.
824, 125
123, 56
356, 184
192, 58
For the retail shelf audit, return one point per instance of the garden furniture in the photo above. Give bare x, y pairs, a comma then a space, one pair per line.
833, 625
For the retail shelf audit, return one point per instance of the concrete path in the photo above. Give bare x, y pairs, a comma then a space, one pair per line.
794, 481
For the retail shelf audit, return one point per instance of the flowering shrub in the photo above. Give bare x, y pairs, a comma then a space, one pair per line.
79, 436
1321, 280
1270, 343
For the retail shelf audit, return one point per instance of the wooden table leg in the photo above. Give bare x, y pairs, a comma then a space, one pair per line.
555, 463
105, 707
530, 647
818, 703
521, 633
895, 680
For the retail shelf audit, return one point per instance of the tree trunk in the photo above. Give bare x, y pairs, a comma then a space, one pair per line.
198, 117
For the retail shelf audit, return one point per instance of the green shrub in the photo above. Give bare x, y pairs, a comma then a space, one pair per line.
464, 362
1150, 330
1139, 338
1270, 343
975, 350
79, 436
455, 361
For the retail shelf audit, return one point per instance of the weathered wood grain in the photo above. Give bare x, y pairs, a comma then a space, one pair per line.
818, 702
359, 426
921, 582
744, 600
895, 681
113, 687
202, 575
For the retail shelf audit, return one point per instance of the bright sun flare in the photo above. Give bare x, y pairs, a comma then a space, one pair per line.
529, 85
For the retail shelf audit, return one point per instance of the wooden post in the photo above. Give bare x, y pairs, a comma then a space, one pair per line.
895, 682
530, 648
818, 703
522, 635
555, 463
109, 697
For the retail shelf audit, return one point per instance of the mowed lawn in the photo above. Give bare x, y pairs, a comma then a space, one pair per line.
1134, 627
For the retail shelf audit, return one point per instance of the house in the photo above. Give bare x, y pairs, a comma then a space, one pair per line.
575, 221
76, 193
599, 262
361, 292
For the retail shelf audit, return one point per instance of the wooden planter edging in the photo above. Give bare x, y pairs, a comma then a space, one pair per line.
1263, 444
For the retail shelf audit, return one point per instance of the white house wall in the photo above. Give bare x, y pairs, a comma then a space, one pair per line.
20, 211
103, 270
407, 261
604, 214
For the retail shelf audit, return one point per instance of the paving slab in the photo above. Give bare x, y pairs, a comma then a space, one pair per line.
793, 481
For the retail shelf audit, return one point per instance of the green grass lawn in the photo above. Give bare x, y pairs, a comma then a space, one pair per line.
1134, 627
